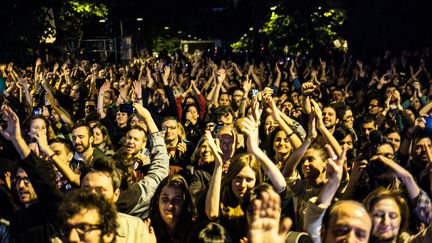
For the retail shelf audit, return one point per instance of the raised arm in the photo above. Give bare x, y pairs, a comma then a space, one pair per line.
328, 137
213, 194
295, 158
63, 167
250, 128
292, 136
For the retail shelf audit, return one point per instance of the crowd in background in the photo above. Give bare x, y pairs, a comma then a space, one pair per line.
206, 148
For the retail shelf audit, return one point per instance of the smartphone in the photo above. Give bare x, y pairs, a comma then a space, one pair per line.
128, 108
254, 92
99, 82
37, 111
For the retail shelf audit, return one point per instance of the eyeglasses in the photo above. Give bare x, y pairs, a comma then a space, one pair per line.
17, 180
81, 229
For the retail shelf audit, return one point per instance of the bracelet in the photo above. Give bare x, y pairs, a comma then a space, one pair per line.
139, 98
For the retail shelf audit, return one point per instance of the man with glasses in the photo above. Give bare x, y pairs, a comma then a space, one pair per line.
87, 217
34, 182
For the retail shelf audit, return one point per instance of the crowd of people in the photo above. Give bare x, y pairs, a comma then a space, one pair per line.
205, 148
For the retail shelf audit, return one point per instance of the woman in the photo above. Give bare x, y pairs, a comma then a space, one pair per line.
390, 212
192, 123
102, 139
224, 197
282, 147
173, 210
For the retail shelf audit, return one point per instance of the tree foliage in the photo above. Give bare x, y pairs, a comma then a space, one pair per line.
306, 31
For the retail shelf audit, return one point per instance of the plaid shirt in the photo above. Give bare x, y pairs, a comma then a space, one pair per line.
423, 207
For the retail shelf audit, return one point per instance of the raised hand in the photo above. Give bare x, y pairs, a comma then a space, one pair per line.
335, 164
215, 148
265, 223
221, 75
142, 112
312, 133
250, 128
167, 71
308, 88
137, 88
13, 130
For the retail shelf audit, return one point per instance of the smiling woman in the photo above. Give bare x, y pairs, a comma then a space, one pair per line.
172, 202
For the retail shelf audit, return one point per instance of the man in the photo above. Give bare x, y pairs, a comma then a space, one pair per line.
34, 182
135, 199
136, 141
163, 104
178, 150
87, 217
224, 99
236, 97
368, 124
330, 118
346, 221
105, 179
64, 174
82, 141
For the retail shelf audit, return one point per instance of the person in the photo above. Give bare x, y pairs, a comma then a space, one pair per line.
265, 223
136, 199
192, 123
62, 148
211, 232
173, 211
87, 217
82, 141
34, 182
390, 211
346, 221
244, 173
203, 161
163, 102
343, 221
103, 177
102, 139
179, 150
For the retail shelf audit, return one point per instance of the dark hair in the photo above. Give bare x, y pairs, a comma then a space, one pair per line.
27, 123
107, 139
211, 233
63, 141
83, 124
254, 194
84, 199
106, 166
342, 132
186, 109
368, 119
187, 215
383, 193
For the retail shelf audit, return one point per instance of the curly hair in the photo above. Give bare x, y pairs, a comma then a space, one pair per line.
84, 199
